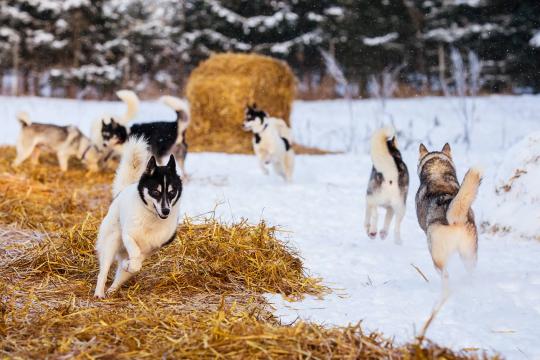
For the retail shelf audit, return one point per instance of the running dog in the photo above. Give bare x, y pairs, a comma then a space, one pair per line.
142, 217
443, 208
272, 141
164, 137
65, 141
388, 184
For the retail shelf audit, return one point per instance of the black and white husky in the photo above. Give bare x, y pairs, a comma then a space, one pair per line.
132, 107
142, 217
272, 141
164, 137
388, 184
65, 141
443, 207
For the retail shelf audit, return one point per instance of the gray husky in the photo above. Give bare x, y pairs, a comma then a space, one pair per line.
388, 185
66, 141
444, 209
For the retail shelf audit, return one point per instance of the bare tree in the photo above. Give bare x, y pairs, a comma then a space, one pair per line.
335, 71
383, 87
467, 85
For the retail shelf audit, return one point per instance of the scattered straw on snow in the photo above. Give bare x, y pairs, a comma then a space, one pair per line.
199, 297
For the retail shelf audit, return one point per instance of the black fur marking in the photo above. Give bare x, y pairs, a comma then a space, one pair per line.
257, 138
157, 179
161, 135
114, 130
170, 240
253, 113
403, 172
287, 145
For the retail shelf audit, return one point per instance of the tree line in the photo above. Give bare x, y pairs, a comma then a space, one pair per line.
90, 48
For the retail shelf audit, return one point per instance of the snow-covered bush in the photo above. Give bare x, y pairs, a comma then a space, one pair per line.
517, 190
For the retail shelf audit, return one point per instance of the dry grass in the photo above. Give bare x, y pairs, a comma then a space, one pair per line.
199, 297
219, 90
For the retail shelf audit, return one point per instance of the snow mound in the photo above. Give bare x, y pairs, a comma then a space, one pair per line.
518, 191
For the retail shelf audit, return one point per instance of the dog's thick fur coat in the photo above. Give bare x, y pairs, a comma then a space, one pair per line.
443, 208
143, 215
65, 141
388, 184
272, 142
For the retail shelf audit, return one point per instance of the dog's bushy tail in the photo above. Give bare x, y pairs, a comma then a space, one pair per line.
381, 156
135, 156
132, 102
459, 207
181, 107
24, 118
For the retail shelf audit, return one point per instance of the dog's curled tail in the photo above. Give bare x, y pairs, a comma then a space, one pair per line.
459, 207
135, 155
180, 106
132, 102
24, 118
381, 156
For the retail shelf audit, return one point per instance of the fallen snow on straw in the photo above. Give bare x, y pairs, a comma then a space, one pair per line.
322, 211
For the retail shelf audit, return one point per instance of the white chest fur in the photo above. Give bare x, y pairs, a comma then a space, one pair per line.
142, 223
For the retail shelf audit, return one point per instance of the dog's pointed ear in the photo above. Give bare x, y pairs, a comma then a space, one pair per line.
394, 142
151, 166
422, 151
102, 122
446, 150
172, 163
254, 106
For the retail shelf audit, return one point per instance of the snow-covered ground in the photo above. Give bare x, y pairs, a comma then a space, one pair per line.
321, 213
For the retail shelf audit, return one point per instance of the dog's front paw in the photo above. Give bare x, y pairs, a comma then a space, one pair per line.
372, 234
398, 241
99, 294
132, 265
383, 234
111, 290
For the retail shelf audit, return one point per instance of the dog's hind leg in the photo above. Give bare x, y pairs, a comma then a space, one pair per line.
400, 213
289, 165
63, 160
468, 251
372, 217
35, 156
24, 151
279, 168
387, 219
121, 276
106, 258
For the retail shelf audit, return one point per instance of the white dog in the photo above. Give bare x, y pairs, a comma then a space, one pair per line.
272, 141
142, 217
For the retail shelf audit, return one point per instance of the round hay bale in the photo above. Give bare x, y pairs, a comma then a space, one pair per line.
219, 89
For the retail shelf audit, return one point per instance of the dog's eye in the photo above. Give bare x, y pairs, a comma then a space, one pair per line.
172, 193
155, 193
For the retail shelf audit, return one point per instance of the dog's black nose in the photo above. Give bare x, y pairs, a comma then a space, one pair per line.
165, 211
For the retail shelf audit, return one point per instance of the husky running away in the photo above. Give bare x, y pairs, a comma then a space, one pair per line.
272, 141
388, 184
66, 141
164, 137
443, 208
143, 215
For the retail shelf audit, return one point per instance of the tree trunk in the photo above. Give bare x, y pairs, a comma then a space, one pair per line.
442, 70
15, 78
